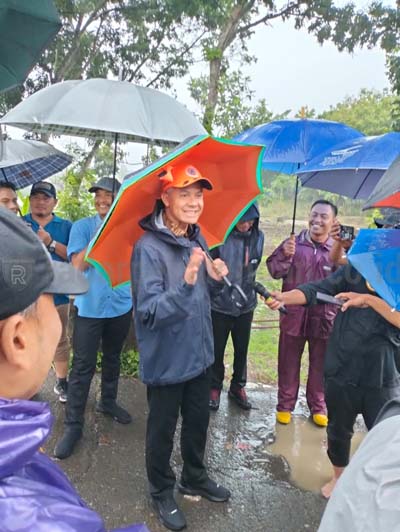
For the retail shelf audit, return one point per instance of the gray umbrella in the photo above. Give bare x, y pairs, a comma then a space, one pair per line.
24, 162
107, 110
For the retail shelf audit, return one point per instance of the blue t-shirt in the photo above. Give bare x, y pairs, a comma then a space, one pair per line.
100, 301
59, 229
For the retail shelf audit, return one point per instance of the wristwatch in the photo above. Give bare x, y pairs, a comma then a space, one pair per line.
52, 246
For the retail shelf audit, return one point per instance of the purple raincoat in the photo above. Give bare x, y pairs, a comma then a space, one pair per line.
309, 263
35, 494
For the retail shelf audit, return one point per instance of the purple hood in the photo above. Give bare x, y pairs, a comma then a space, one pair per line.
35, 494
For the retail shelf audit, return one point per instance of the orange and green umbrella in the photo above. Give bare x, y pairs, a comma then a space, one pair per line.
233, 168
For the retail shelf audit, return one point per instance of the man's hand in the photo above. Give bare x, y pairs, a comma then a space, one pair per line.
44, 236
353, 300
335, 234
289, 246
275, 301
192, 269
217, 269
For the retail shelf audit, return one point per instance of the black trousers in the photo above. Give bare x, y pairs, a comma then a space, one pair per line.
239, 327
190, 398
344, 403
88, 332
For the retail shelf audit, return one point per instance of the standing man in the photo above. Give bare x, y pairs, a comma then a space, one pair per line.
298, 260
174, 331
54, 232
103, 314
8, 196
242, 253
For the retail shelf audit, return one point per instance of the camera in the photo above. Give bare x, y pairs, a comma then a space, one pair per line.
346, 232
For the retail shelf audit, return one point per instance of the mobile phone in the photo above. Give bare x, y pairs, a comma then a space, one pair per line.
346, 232
326, 298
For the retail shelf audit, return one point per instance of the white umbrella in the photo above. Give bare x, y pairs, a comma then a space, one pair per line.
100, 108
24, 162
107, 110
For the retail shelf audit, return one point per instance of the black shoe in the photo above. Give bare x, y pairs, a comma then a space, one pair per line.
115, 411
169, 513
239, 395
65, 447
208, 489
214, 399
61, 389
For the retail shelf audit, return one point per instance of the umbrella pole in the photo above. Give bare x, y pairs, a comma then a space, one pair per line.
295, 205
115, 162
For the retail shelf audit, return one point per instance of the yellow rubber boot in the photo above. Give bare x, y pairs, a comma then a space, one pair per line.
321, 420
283, 417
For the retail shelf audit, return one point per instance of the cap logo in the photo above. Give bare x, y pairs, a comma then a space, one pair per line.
17, 274
191, 171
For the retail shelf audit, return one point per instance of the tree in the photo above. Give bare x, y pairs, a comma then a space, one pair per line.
229, 23
234, 111
369, 112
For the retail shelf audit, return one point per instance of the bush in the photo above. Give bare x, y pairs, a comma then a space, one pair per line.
129, 363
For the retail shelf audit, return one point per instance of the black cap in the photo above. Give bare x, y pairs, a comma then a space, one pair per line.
106, 183
26, 268
391, 218
44, 187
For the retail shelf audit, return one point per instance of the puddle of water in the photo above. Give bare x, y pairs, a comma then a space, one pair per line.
303, 445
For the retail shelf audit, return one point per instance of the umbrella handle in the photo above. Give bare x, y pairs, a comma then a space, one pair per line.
234, 288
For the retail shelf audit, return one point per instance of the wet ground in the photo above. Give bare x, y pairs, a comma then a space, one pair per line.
108, 466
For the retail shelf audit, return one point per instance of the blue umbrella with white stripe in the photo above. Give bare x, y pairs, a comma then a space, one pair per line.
25, 162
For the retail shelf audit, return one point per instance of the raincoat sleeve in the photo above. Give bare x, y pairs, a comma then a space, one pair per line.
278, 263
332, 285
157, 304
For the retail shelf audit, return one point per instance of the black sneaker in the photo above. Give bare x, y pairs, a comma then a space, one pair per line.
239, 395
65, 447
61, 389
214, 399
209, 490
115, 411
169, 512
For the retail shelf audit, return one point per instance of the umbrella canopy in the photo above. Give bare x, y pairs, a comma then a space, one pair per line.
291, 143
233, 168
102, 108
352, 168
387, 191
26, 27
24, 162
376, 255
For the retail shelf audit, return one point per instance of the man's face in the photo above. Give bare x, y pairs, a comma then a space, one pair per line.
28, 344
102, 202
42, 205
320, 221
243, 227
184, 205
8, 199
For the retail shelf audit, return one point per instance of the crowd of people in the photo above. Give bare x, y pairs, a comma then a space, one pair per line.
183, 315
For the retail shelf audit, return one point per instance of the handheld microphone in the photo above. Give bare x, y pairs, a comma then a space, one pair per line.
260, 289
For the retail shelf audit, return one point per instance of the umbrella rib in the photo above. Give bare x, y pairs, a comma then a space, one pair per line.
362, 183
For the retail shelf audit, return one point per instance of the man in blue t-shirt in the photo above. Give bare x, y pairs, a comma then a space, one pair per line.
104, 315
54, 233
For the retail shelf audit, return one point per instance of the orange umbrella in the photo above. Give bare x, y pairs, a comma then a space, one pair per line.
235, 172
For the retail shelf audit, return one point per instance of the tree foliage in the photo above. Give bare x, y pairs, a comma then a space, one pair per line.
369, 112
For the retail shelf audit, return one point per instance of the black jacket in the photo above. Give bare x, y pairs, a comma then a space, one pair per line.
363, 349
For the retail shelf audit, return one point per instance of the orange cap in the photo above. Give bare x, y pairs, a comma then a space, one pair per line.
182, 175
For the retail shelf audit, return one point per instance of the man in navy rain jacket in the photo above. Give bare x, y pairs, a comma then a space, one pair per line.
174, 333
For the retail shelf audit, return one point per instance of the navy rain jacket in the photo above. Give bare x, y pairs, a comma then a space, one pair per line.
172, 319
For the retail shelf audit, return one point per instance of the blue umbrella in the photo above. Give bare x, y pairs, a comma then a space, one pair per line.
292, 143
376, 255
352, 168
